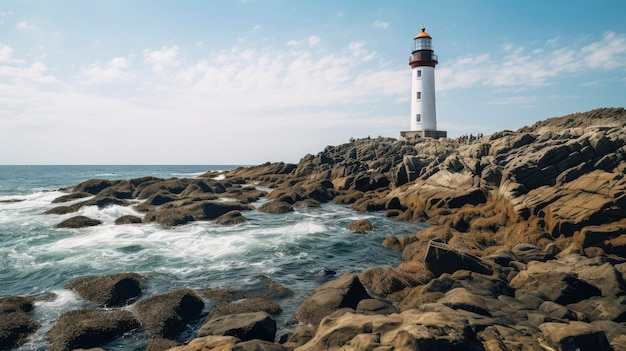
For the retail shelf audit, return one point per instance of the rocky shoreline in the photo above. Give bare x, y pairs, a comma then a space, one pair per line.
526, 248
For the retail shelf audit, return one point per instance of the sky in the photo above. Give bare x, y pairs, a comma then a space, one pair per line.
251, 81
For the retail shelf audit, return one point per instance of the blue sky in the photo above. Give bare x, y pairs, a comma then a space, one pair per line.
244, 82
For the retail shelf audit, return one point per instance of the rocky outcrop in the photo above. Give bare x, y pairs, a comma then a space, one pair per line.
360, 226
164, 315
109, 291
345, 291
16, 324
230, 218
244, 326
169, 202
78, 222
525, 248
87, 328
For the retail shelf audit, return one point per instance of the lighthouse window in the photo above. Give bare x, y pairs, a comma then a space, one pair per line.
418, 118
419, 95
419, 73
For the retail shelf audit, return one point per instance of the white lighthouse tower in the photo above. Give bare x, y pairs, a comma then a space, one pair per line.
423, 110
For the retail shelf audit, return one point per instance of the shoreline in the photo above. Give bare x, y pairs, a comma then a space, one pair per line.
526, 244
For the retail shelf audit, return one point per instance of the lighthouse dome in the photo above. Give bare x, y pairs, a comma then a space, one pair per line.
423, 34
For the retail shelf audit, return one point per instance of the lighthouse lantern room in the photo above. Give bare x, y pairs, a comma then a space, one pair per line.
423, 110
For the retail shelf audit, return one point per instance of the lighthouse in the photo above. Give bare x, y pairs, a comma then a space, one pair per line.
423, 108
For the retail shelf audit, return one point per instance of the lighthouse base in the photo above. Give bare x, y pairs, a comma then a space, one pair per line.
412, 134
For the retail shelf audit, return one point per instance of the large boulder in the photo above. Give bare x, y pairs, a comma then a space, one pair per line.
110, 290
89, 328
230, 218
345, 291
574, 336
244, 326
15, 322
276, 207
360, 226
94, 186
127, 219
78, 222
441, 258
164, 315
550, 281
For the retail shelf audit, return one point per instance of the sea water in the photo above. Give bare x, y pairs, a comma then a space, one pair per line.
300, 250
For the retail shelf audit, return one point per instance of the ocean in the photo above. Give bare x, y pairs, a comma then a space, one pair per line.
297, 249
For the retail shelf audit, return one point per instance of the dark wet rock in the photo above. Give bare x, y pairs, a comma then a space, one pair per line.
71, 197
441, 258
89, 328
308, 203
103, 201
164, 315
230, 218
360, 226
61, 210
127, 219
263, 287
345, 291
16, 324
172, 186
246, 306
110, 290
244, 326
185, 211
276, 207
78, 222
94, 186
160, 198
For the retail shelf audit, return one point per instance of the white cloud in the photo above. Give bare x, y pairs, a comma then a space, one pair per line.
162, 59
115, 70
256, 27
6, 54
24, 25
609, 53
314, 40
293, 43
533, 67
380, 24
